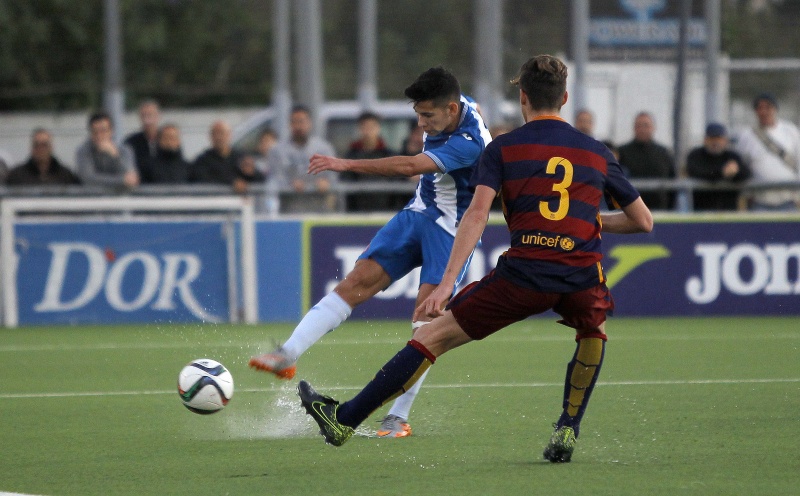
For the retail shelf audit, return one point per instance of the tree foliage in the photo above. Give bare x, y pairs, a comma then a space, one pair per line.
200, 53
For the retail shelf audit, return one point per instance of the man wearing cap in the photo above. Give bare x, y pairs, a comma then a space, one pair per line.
772, 148
714, 162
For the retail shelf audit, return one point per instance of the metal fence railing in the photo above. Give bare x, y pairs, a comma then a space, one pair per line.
267, 199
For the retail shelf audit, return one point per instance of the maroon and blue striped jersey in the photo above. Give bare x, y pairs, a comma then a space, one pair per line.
552, 179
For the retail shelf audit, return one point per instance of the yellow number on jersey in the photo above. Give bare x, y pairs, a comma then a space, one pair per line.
560, 188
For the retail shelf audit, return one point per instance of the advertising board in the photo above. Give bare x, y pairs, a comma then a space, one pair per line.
684, 267
115, 272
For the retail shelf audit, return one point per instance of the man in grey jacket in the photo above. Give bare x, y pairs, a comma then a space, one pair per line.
102, 162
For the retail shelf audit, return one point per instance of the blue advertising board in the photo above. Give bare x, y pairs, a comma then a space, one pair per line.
744, 267
125, 272
114, 272
279, 263
684, 267
334, 250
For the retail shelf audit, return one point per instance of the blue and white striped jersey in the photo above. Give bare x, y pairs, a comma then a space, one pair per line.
444, 196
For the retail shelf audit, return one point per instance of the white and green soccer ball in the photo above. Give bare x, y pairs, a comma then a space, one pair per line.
205, 386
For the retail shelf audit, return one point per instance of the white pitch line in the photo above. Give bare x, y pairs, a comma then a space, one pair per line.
255, 343
79, 394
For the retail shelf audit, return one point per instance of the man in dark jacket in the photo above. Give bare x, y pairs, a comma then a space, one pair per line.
144, 143
220, 163
169, 166
715, 162
42, 167
643, 158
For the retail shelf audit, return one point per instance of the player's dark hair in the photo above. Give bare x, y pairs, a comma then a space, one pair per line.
544, 79
436, 84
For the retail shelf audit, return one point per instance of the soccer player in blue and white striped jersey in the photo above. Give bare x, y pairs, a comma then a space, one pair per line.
420, 235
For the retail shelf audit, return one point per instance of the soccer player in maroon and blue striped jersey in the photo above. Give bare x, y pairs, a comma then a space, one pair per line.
552, 179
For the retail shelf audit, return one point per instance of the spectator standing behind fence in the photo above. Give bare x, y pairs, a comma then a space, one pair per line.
5, 163
772, 148
500, 129
220, 163
102, 162
168, 166
248, 170
289, 160
370, 144
266, 142
42, 168
144, 143
716, 163
643, 158
413, 144
584, 122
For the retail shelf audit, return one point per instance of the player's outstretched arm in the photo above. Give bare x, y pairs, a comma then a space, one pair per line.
322, 163
634, 218
469, 233
389, 166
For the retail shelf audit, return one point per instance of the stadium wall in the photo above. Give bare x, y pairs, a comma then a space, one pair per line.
86, 272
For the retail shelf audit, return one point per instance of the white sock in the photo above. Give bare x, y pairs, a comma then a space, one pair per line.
402, 405
324, 317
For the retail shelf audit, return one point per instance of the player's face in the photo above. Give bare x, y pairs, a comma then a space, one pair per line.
435, 120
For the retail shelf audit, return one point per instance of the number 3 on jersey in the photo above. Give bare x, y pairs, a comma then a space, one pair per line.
560, 188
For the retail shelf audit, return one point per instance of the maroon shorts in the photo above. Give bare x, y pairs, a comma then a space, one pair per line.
486, 306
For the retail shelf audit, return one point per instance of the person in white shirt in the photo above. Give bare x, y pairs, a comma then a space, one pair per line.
291, 157
772, 149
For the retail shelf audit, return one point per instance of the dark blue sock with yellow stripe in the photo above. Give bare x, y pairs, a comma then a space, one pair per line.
394, 379
582, 373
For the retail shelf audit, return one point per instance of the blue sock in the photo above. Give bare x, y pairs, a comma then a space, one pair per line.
395, 378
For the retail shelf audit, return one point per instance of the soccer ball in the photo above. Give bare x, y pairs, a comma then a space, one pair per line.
205, 386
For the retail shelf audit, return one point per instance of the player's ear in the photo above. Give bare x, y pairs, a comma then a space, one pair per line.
523, 98
566, 97
453, 108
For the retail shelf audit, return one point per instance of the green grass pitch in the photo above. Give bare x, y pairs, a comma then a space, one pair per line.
684, 406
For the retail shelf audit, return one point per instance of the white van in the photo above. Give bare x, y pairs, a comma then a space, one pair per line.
340, 124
